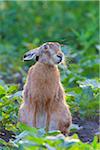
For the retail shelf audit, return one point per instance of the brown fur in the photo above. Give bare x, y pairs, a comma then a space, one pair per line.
44, 99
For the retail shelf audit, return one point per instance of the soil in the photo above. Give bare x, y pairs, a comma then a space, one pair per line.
7, 135
88, 129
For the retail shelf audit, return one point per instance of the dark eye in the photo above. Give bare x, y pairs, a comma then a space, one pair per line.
45, 47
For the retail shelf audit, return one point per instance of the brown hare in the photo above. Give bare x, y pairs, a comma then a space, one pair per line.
44, 103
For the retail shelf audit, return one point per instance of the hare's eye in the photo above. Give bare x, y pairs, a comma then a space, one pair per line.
45, 47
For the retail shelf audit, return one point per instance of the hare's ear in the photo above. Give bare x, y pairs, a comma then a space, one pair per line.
32, 54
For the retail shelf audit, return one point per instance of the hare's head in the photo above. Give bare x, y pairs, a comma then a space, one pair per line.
48, 53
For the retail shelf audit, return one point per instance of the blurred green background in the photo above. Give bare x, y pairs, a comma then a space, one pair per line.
75, 24
25, 25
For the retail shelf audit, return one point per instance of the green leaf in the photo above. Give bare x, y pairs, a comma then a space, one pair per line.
54, 132
2, 91
12, 89
20, 136
23, 126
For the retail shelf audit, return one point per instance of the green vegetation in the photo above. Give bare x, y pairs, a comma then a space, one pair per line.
26, 25
31, 138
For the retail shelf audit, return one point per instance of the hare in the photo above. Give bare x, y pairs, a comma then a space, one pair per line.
44, 103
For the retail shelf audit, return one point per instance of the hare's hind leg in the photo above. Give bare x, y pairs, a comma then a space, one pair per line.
65, 119
61, 119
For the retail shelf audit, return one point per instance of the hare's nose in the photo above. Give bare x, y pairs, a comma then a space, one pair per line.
60, 58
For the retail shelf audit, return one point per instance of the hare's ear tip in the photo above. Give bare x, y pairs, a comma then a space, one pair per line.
24, 59
24, 56
28, 56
